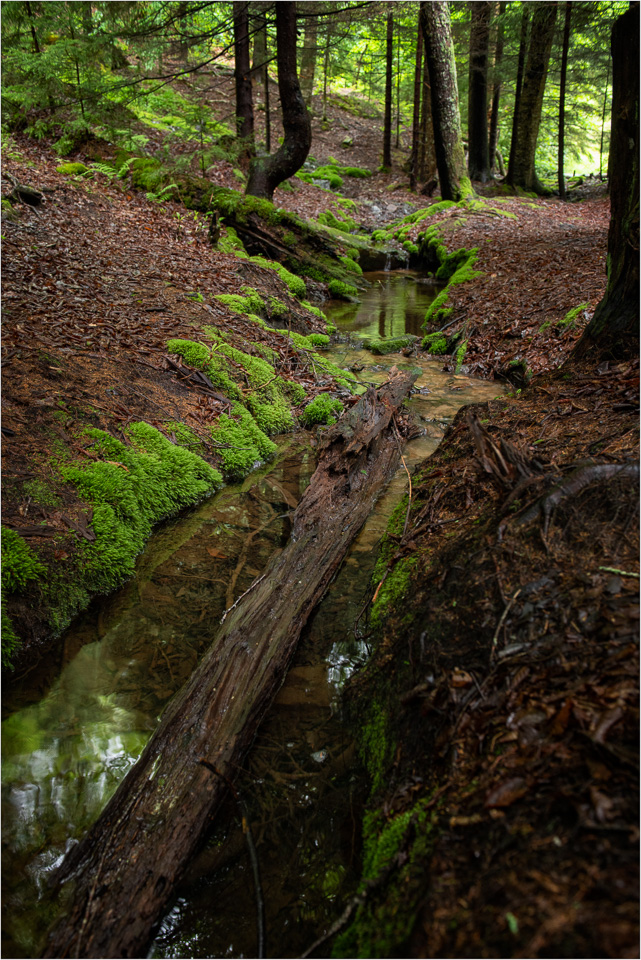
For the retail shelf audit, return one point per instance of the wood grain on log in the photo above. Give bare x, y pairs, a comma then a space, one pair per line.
126, 868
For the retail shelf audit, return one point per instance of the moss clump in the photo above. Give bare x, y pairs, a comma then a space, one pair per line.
229, 242
435, 343
569, 320
241, 443
322, 409
183, 436
453, 262
389, 344
351, 265
72, 169
342, 291
132, 489
19, 566
197, 355
295, 284
459, 354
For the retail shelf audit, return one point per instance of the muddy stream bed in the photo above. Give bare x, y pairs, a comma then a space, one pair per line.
71, 730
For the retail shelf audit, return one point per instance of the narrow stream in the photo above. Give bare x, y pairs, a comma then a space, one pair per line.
71, 733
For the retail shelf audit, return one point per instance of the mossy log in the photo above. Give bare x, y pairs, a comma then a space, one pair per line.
124, 871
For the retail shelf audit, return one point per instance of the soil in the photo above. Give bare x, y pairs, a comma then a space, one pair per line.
523, 729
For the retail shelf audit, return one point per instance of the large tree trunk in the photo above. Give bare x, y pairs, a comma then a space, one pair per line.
244, 102
496, 89
258, 22
416, 116
427, 156
525, 20
613, 331
126, 868
265, 173
564, 71
446, 119
310, 51
478, 162
522, 173
387, 123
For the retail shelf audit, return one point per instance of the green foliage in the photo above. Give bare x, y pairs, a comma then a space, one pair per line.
199, 356
295, 284
351, 265
569, 320
322, 409
19, 563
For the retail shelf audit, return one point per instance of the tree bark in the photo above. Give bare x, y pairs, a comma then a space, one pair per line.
416, 116
309, 54
427, 157
496, 90
564, 71
525, 20
259, 27
478, 148
387, 124
613, 332
244, 102
522, 173
265, 173
127, 867
446, 119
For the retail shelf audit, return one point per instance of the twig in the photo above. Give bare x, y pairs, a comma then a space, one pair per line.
253, 856
503, 616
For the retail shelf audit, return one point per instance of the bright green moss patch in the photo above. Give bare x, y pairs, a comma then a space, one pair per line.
199, 356
322, 409
382, 345
459, 355
72, 169
19, 566
229, 242
342, 291
569, 320
351, 265
241, 443
295, 284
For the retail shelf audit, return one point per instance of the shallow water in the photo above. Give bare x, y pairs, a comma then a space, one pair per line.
72, 733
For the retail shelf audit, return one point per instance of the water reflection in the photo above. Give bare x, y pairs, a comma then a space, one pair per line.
394, 304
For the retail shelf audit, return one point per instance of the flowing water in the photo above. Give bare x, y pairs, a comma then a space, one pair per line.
71, 733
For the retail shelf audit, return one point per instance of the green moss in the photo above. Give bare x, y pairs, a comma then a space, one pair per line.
229, 242
437, 312
342, 291
389, 344
241, 443
20, 566
459, 355
183, 436
40, 492
322, 409
351, 265
277, 308
313, 309
453, 262
393, 590
199, 356
295, 284
569, 320
72, 169
296, 391
374, 746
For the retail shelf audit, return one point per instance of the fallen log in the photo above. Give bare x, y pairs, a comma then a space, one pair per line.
117, 881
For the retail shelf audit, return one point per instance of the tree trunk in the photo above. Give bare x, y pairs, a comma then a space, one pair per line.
416, 116
265, 173
387, 127
448, 142
613, 332
310, 50
328, 37
564, 71
496, 90
125, 870
525, 20
522, 173
34, 35
605, 103
427, 157
244, 103
259, 28
478, 149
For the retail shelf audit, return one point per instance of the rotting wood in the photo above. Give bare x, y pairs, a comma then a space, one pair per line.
126, 868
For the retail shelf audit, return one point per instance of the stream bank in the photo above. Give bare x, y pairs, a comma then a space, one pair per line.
139, 627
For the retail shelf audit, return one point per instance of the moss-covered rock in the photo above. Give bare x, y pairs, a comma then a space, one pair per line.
241, 443
382, 345
19, 566
435, 343
72, 169
342, 291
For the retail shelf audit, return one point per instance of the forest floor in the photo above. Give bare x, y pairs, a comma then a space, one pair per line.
516, 726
